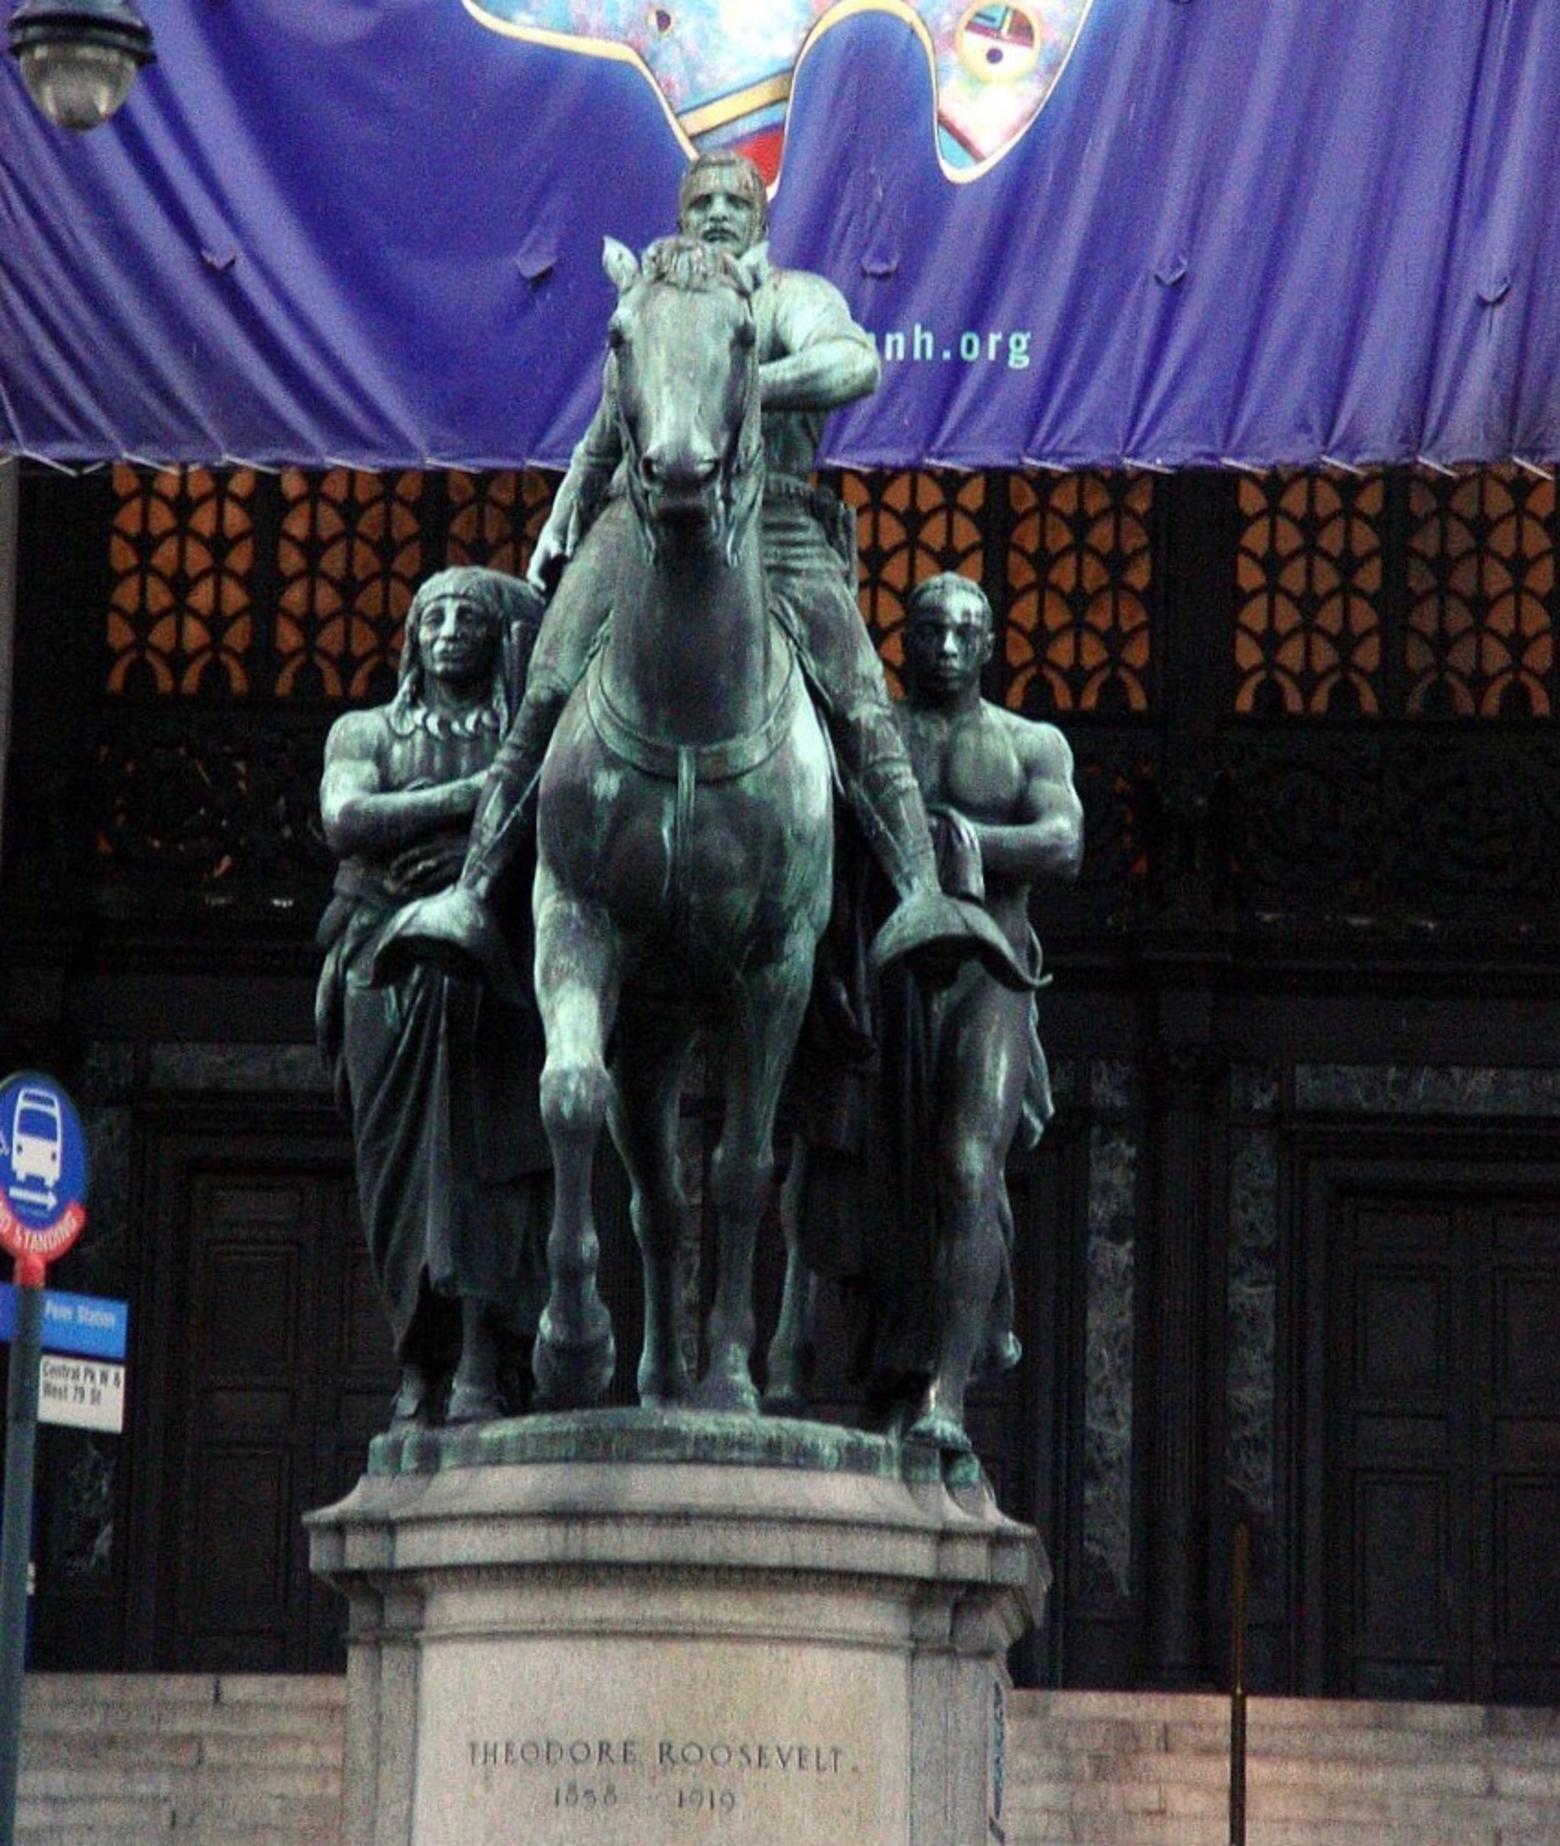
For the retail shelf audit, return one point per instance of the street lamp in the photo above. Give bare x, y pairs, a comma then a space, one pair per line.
79, 57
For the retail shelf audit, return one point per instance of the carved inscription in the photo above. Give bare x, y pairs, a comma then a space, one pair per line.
684, 1775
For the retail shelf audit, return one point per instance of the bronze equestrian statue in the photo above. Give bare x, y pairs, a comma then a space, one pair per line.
812, 358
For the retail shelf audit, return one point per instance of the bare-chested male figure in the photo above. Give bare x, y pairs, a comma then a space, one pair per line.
1001, 786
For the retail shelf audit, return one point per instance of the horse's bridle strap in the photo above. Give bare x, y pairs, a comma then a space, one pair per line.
685, 763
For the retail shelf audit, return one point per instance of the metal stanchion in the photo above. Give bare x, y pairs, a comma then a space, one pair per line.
1240, 1593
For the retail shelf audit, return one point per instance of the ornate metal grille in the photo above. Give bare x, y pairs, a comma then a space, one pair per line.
1480, 639
1402, 595
1079, 574
496, 519
350, 555
336, 558
1308, 629
182, 552
242, 611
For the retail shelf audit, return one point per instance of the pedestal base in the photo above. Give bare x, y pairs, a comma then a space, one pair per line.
632, 1628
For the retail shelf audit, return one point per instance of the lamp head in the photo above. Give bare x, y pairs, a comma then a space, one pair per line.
79, 57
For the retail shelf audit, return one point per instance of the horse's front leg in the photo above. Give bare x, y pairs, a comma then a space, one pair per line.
578, 959
765, 1023
648, 1058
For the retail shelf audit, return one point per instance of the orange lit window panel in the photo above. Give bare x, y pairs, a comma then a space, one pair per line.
496, 519
1309, 574
1480, 638
1079, 576
350, 555
181, 554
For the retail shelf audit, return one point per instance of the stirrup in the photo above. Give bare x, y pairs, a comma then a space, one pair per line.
946, 931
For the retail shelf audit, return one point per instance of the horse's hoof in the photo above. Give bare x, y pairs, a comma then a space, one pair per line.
940, 1431
470, 1403
412, 1406
572, 1375
786, 1401
728, 1391
663, 1389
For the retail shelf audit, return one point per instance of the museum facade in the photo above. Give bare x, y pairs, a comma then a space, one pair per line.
1289, 1254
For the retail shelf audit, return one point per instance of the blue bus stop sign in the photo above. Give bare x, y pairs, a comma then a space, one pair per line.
43, 1173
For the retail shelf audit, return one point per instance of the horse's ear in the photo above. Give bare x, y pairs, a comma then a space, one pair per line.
754, 265
620, 263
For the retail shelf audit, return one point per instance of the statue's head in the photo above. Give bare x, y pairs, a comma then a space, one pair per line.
468, 634
722, 201
948, 636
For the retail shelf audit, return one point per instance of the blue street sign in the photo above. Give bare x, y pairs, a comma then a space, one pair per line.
43, 1170
91, 1325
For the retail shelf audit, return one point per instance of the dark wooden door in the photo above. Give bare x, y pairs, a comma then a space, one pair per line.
272, 1372
1442, 1501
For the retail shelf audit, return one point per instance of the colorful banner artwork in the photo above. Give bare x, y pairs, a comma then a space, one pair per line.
1167, 233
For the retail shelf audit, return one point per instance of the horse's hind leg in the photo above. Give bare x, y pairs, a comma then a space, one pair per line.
648, 1058
576, 988
792, 1357
763, 1035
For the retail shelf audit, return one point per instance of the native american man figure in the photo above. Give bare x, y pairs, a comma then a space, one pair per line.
436, 1075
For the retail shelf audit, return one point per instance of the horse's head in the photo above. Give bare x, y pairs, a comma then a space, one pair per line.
683, 355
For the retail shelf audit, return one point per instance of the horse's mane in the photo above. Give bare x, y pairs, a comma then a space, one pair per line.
685, 263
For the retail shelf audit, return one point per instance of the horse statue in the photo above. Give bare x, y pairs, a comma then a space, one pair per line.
684, 840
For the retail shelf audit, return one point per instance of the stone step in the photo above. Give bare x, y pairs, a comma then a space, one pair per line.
1459, 1773
1152, 1830
177, 1784
138, 1689
220, 1834
138, 1817
283, 1819
1103, 1769
58, 1718
182, 1749
1386, 1745
251, 1760
1343, 1714
207, 1760
1087, 1736
1314, 1801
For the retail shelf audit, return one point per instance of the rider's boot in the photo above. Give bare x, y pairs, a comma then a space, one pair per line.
940, 931
456, 929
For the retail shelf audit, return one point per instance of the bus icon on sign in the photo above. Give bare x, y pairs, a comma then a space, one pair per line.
37, 1138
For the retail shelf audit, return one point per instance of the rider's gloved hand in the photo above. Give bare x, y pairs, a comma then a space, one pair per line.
553, 550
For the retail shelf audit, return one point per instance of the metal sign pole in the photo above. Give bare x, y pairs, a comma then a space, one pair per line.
21, 1430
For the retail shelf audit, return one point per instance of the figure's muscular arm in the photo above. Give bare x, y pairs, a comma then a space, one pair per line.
1045, 837
362, 816
827, 359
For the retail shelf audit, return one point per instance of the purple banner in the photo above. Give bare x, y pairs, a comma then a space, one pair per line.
1164, 232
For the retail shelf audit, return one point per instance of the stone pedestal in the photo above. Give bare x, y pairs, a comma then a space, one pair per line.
631, 1628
